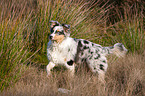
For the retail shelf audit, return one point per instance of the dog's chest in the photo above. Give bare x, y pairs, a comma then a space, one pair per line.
59, 55
63, 52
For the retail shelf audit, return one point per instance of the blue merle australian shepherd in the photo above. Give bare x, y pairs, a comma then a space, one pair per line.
67, 51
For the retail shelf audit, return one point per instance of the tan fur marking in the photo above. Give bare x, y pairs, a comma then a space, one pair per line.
64, 59
58, 38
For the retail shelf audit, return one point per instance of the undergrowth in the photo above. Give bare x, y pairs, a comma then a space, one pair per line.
125, 77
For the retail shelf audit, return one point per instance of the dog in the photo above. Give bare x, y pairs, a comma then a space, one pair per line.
67, 51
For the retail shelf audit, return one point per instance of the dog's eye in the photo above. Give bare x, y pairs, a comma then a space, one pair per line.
59, 32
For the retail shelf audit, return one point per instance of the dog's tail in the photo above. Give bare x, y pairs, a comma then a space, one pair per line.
118, 49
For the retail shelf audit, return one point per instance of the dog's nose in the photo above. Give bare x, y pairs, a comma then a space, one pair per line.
50, 37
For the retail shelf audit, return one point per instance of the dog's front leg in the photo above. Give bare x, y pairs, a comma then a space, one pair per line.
49, 67
71, 67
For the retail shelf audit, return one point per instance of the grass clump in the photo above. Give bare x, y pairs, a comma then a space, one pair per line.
130, 29
13, 52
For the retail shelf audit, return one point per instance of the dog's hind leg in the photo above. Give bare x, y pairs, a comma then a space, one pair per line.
101, 76
100, 67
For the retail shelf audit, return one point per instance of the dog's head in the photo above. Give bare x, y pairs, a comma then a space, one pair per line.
59, 31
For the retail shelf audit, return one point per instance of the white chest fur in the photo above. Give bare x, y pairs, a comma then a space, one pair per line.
63, 52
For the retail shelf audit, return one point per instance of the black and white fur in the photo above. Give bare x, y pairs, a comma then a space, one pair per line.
70, 51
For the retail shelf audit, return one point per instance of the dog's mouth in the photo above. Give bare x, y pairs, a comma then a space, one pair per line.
57, 38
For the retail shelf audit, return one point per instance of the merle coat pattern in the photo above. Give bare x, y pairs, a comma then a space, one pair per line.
69, 52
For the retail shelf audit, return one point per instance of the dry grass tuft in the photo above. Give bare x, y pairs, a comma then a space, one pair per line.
125, 77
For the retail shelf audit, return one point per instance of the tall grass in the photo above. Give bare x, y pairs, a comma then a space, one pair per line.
127, 28
14, 52
130, 29
24, 30
75, 13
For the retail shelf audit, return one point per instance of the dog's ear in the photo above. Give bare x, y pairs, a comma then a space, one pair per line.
66, 27
54, 23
